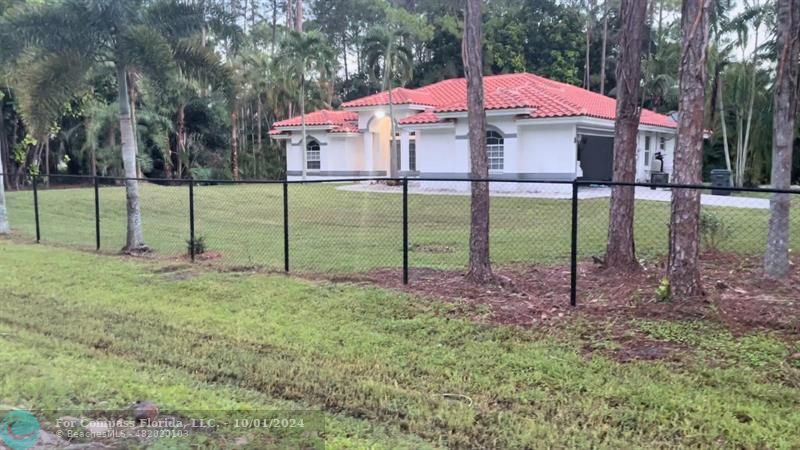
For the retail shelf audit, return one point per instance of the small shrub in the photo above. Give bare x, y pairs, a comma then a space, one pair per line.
713, 230
663, 291
199, 246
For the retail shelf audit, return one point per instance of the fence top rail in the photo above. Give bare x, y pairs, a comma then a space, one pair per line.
577, 182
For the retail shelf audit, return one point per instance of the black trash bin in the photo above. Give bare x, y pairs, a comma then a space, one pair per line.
658, 178
720, 178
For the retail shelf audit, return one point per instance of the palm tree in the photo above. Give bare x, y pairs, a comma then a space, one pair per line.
386, 46
68, 39
306, 56
4, 228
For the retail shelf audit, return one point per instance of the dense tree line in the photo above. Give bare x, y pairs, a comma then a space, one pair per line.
196, 119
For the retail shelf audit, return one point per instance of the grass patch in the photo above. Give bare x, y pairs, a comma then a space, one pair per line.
388, 371
341, 231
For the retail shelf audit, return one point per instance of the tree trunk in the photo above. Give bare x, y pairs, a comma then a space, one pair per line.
235, 143
298, 15
259, 131
344, 56
135, 123
274, 26
749, 127
387, 83
621, 251
47, 159
181, 141
303, 123
4, 161
480, 269
605, 44
725, 145
776, 260
135, 238
4, 227
586, 67
684, 251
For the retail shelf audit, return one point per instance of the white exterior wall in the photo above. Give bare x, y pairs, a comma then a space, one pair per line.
548, 149
531, 150
439, 152
643, 171
528, 151
337, 154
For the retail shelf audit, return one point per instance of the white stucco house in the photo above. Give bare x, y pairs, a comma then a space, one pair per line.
537, 129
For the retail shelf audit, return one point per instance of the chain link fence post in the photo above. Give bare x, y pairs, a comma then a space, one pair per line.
573, 282
97, 213
405, 230
192, 241
286, 226
36, 208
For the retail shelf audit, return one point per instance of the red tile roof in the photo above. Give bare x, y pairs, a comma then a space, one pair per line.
400, 96
546, 99
524, 90
423, 117
346, 128
321, 118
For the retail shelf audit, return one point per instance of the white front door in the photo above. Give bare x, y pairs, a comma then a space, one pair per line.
644, 159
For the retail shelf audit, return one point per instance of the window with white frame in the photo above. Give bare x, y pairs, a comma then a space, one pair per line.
495, 148
647, 150
662, 144
312, 155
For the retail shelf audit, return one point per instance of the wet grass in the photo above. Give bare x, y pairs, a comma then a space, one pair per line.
386, 370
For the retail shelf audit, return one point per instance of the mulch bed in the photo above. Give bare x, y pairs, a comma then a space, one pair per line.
737, 294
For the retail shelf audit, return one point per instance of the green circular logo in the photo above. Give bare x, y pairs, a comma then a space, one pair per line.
19, 430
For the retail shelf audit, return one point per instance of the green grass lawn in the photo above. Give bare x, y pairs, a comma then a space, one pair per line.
384, 370
335, 230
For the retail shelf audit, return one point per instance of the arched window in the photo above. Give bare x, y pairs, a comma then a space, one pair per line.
494, 148
312, 155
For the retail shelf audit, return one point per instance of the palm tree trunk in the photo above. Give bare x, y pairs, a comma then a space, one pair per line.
135, 237
605, 44
4, 227
621, 251
740, 157
746, 145
134, 122
684, 251
181, 140
298, 15
259, 131
47, 159
586, 67
344, 56
274, 27
3, 146
387, 82
480, 269
722, 120
303, 123
776, 260
235, 143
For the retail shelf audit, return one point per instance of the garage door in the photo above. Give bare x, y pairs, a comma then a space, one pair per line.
596, 154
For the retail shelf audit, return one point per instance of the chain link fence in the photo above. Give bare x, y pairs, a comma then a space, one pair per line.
354, 226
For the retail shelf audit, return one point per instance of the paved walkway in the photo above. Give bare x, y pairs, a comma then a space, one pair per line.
659, 195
